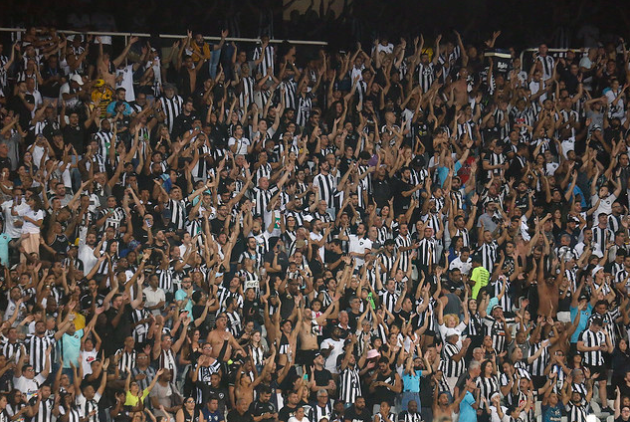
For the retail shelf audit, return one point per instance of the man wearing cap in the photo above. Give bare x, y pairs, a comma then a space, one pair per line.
496, 327
70, 91
594, 344
320, 378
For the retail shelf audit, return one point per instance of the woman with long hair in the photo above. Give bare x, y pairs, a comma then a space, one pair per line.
256, 349
488, 385
68, 409
620, 362
188, 412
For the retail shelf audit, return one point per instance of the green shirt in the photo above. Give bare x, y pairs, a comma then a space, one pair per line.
480, 276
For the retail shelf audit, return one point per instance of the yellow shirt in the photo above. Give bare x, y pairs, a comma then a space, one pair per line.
133, 401
79, 321
480, 276
203, 51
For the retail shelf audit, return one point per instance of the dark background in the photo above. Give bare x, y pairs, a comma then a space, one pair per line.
524, 23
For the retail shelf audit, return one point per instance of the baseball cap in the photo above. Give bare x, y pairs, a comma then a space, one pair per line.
77, 78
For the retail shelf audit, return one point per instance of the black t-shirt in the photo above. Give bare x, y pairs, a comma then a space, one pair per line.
283, 261
75, 135
322, 378
114, 338
401, 203
259, 408
221, 394
286, 412
353, 416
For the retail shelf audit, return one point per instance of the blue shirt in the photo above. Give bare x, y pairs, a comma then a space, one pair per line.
585, 314
182, 295
71, 348
443, 172
412, 382
112, 106
4, 249
466, 411
551, 414
209, 416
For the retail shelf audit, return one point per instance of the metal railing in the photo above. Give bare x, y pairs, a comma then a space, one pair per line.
126, 36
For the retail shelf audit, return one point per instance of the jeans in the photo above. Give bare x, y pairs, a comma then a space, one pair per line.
214, 62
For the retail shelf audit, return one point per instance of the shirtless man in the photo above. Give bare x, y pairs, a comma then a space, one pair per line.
308, 328
460, 88
222, 341
245, 386
107, 67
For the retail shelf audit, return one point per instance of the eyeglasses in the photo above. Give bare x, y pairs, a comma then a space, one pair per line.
190, 401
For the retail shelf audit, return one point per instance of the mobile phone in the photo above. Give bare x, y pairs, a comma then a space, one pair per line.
148, 222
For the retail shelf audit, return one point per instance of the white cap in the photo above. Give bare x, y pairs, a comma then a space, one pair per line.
77, 78
596, 270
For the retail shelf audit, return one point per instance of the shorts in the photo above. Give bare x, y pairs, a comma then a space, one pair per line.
598, 369
564, 316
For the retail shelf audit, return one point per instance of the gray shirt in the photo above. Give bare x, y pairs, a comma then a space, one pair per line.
488, 223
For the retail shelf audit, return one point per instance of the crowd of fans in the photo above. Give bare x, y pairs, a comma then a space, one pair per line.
414, 230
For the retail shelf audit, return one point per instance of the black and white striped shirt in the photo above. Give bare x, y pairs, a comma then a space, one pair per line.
537, 367
327, 186
126, 360
263, 198
179, 212
246, 96
601, 236
267, 61
167, 361
104, 140
349, 384
204, 375
548, 64
389, 300
408, 416
172, 108
488, 252
44, 413
12, 349
592, 339
426, 252
576, 413
449, 366
405, 256
496, 330
318, 412
38, 347
304, 107
140, 331
426, 76
234, 323
487, 387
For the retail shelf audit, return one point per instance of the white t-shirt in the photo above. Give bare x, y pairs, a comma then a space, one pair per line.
28, 387
331, 360
86, 361
86, 255
65, 89
317, 237
464, 267
127, 82
605, 205
242, 143
29, 227
10, 229
358, 245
